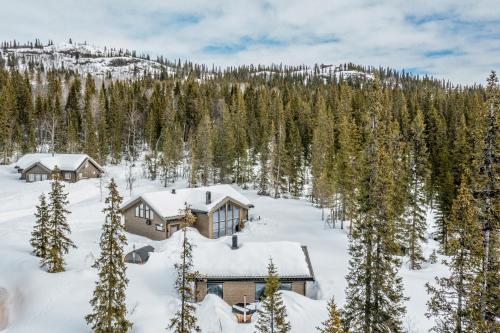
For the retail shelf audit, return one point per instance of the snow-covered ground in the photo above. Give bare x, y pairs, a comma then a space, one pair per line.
42, 302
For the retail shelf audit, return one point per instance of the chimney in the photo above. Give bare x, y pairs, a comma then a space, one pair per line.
208, 200
234, 245
173, 191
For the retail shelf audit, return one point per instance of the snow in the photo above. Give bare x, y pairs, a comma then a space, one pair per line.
169, 205
249, 260
86, 59
69, 162
57, 303
324, 71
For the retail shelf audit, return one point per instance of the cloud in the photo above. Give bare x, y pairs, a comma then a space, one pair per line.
455, 40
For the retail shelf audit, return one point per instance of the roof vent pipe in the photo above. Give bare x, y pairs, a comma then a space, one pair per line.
208, 197
234, 244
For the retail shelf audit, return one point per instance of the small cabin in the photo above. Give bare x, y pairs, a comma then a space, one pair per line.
220, 210
237, 273
73, 167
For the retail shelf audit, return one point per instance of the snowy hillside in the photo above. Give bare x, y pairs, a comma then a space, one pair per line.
323, 71
43, 302
84, 59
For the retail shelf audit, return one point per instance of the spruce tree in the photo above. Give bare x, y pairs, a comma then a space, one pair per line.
272, 311
415, 226
59, 241
40, 234
454, 299
184, 320
374, 290
333, 324
108, 303
487, 202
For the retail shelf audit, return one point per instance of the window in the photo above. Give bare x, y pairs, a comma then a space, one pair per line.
260, 288
216, 288
226, 220
159, 227
144, 211
222, 221
259, 291
67, 175
31, 177
215, 227
286, 286
44, 176
80, 175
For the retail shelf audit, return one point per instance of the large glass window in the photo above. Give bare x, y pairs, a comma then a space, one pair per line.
286, 286
225, 220
222, 221
215, 227
215, 288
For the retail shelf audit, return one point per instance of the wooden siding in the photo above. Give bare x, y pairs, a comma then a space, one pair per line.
37, 169
137, 225
204, 222
233, 291
87, 170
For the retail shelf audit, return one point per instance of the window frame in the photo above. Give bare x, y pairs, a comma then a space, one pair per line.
219, 285
67, 176
262, 293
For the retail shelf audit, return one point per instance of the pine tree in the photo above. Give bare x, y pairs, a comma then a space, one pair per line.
40, 235
7, 116
272, 311
171, 152
374, 289
454, 299
346, 157
415, 222
333, 324
108, 303
184, 320
487, 202
322, 155
59, 242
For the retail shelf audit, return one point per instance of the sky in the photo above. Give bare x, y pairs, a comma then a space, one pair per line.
457, 40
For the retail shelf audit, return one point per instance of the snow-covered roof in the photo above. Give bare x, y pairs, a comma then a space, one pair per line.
216, 259
62, 161
169, 204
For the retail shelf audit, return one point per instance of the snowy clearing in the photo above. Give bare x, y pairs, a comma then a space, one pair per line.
42, 302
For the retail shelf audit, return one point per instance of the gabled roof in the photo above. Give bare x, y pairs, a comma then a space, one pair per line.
68, 162
217, 261
168, 205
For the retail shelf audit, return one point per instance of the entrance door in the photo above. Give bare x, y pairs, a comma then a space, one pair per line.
173, 228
